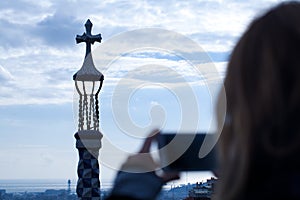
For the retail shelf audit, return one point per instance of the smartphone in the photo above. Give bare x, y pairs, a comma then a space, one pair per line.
180, 152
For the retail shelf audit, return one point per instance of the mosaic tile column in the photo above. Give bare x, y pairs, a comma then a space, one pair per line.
88, 144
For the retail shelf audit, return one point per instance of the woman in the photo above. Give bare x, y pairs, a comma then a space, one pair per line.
260, 142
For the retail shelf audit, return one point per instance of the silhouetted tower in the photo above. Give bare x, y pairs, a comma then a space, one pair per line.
69, 186
88, 82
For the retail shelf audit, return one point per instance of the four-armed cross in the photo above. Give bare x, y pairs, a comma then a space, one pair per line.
88, 38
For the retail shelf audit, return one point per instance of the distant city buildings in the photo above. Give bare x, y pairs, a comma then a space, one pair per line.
47, 195
202, 191
198, 191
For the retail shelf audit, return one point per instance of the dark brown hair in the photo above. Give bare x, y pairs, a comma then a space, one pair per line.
261, 135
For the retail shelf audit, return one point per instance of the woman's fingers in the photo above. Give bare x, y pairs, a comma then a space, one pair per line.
147, 144
143, 162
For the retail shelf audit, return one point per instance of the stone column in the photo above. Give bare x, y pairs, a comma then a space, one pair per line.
88, 143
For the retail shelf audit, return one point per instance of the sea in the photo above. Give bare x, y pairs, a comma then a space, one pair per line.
35, 185
39, 185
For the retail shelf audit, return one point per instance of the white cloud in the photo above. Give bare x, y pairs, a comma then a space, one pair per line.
40, 76
38, 46
5, 74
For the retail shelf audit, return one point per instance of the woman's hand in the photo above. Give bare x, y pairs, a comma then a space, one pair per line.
137, 177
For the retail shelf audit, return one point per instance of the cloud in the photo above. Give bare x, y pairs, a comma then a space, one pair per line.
18, 20
5, 75
37, 80
30, 23
37, 42
24, 12
12, 35
58, 30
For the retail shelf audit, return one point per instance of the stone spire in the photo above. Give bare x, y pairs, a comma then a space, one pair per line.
88, 83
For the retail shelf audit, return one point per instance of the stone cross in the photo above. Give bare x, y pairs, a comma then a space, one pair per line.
88, 38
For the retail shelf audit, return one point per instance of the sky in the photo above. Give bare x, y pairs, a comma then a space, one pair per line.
39, 55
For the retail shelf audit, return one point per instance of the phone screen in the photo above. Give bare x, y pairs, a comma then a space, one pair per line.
180, 152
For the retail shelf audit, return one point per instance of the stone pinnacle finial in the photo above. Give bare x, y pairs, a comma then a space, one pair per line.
88, 71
